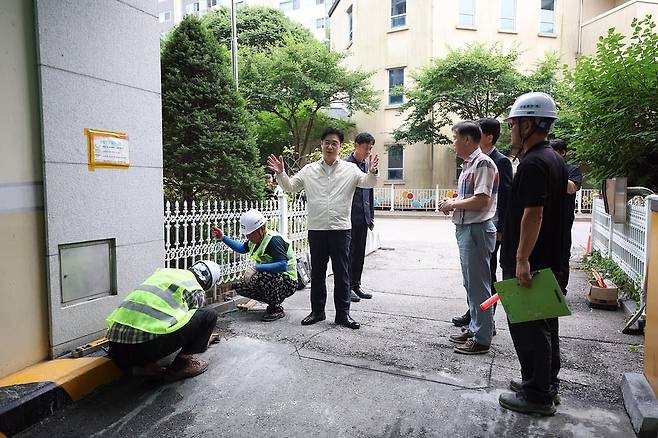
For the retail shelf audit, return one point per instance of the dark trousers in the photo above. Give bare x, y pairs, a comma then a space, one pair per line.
493, 264
537, 346
334, 244
192, 338
357, 254
563, 277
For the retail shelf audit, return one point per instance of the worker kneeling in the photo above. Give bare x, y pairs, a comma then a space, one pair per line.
274, 277
160, 317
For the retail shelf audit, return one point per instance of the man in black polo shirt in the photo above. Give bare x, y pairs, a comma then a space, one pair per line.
533, 240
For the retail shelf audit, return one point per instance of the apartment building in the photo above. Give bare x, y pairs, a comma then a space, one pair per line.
312, 14
394, 38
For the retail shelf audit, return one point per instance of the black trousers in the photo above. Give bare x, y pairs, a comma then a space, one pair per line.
563, 277
493, 264
192, 338
537, 345
334, 244
357, 254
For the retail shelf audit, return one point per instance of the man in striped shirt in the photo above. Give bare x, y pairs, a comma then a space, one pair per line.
474, 210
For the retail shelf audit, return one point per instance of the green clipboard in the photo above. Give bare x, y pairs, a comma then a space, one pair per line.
542, 300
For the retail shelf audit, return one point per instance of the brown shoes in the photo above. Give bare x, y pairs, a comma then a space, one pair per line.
185, 367
471, 347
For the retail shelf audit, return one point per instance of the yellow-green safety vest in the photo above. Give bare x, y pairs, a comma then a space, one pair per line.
257, 253
157, 306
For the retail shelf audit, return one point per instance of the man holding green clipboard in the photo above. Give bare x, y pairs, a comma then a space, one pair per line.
534, 228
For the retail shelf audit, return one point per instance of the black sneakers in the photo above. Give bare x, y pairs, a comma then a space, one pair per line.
273, 313
516, 401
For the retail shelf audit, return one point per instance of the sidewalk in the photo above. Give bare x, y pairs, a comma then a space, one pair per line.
431, 214
396, 376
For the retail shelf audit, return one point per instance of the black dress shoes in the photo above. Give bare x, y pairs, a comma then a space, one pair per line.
354, 297
462, 320
347, 321
312, 318
361, 294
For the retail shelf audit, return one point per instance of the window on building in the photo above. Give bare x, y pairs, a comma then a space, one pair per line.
467, 13
288, 5
395, 79
398, 13
395, 162
349, 24
547, 16
192, 8
163, 17
319, 23
212, 3
319, 2
508, 14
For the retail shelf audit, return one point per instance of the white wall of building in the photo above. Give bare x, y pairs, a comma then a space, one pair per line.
99, 68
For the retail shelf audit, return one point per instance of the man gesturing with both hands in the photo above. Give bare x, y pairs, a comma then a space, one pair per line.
329, 185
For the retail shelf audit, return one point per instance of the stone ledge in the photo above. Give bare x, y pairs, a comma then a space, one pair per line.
641, 404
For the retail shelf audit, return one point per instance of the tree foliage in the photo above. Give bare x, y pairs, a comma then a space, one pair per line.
612, 109
296, 80
469, 83
208, 150
258, 27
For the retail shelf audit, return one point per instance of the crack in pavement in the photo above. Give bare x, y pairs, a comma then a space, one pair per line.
399, 374
500, 329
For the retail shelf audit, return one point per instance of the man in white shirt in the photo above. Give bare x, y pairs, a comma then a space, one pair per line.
329, 185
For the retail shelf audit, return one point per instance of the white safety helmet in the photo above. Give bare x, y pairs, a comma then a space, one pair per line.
541, 106
206, 272
251, 221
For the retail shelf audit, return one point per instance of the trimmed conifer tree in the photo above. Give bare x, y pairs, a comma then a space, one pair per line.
208, 148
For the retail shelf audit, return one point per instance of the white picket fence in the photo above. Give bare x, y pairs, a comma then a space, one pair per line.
393, 198
188, 232
625, 243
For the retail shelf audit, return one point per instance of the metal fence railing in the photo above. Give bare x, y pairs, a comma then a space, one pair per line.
625, 243
393, 198
188, 233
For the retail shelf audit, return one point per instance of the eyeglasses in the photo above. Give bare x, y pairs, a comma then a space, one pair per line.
330, 143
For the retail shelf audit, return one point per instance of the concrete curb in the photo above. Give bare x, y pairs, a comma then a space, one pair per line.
28, 396
641, 404
32, 394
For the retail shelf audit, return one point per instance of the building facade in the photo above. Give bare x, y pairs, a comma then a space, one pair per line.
77, 236
312, 14
394, 38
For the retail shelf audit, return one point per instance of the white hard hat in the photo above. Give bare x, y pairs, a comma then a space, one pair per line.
534, 105
207, 273
251, 221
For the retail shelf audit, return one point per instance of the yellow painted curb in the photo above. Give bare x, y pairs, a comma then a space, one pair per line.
78, 377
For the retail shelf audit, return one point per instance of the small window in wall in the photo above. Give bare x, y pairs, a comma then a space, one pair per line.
163, 17
319, 2
395, 79
192, 8
212, 3
349, 24
398, 13
458, 169
319, 23
508, 15
395, 162
547, 16
288, 5
87, 270
467, 13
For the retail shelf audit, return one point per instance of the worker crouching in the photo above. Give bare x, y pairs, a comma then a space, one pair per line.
274, 276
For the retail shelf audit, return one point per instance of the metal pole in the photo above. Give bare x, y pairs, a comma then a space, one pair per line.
392, 197
234, 45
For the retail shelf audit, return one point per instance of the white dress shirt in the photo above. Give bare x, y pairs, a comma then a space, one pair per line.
329, 191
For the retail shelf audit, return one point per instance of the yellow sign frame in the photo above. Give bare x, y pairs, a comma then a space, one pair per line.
94, 135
